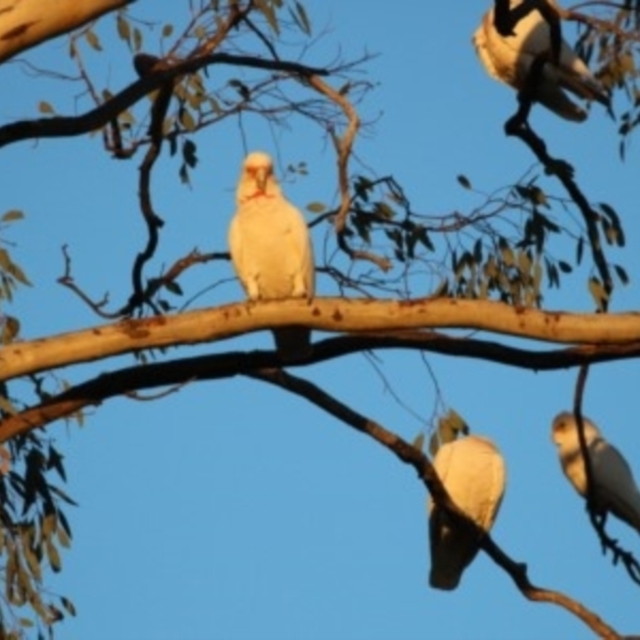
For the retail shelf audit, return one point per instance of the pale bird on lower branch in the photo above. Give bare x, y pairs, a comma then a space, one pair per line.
509, 59
614, 489
473, 472
271, 248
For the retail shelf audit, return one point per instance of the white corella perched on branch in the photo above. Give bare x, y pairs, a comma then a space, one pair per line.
472, 471
271, 247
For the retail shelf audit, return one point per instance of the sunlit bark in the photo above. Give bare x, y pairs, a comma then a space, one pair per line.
327, 314
26, 23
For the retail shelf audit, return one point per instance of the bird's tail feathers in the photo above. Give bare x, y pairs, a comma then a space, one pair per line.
552, 97
587, 87
293, 343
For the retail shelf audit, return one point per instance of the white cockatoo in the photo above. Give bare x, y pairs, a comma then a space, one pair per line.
271, 247
614, 488
472, 471
510, 59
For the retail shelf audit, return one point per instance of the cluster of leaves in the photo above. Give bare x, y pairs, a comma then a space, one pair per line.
33, 525
198, 105
501, 251
11, 276
614, 52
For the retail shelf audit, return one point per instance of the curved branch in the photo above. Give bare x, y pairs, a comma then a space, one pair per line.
598, 519
65, 126
326, 314
152, 220
177, 372
519, 127
343, 145
417, 459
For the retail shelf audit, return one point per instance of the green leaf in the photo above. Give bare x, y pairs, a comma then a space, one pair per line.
423, 238
418, 441
64, 539
167, 30
316, 207
93, 40
13, 214
269, 13
622, 274
538, 196
241, 88
189, 153
7, 406
124, 30
598, 293
137, 40
54, 556
45, 107
186, 120
10, 329
174, 287
68, 605
302, 18
580, 250
32, 562
464, 181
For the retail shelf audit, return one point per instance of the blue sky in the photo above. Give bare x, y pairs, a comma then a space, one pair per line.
233, 511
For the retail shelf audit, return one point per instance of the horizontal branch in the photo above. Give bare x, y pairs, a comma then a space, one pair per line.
211, 367
27, 23
326, 314
64, 126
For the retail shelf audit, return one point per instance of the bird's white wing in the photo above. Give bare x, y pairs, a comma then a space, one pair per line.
617, 490
473, 473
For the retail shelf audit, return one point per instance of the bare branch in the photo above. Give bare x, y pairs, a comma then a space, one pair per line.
343, 145
66, 126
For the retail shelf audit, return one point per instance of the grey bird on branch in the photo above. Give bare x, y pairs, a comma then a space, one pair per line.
510, 59
614, 488
271, 248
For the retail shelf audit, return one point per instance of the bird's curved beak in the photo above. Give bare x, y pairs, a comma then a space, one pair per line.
262, 175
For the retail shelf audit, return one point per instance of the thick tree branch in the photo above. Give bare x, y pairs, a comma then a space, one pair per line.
65, 126
27, 23
177, 372
326, 314
417, 459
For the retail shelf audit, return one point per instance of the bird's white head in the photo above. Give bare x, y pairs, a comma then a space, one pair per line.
257, 177
564, 431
